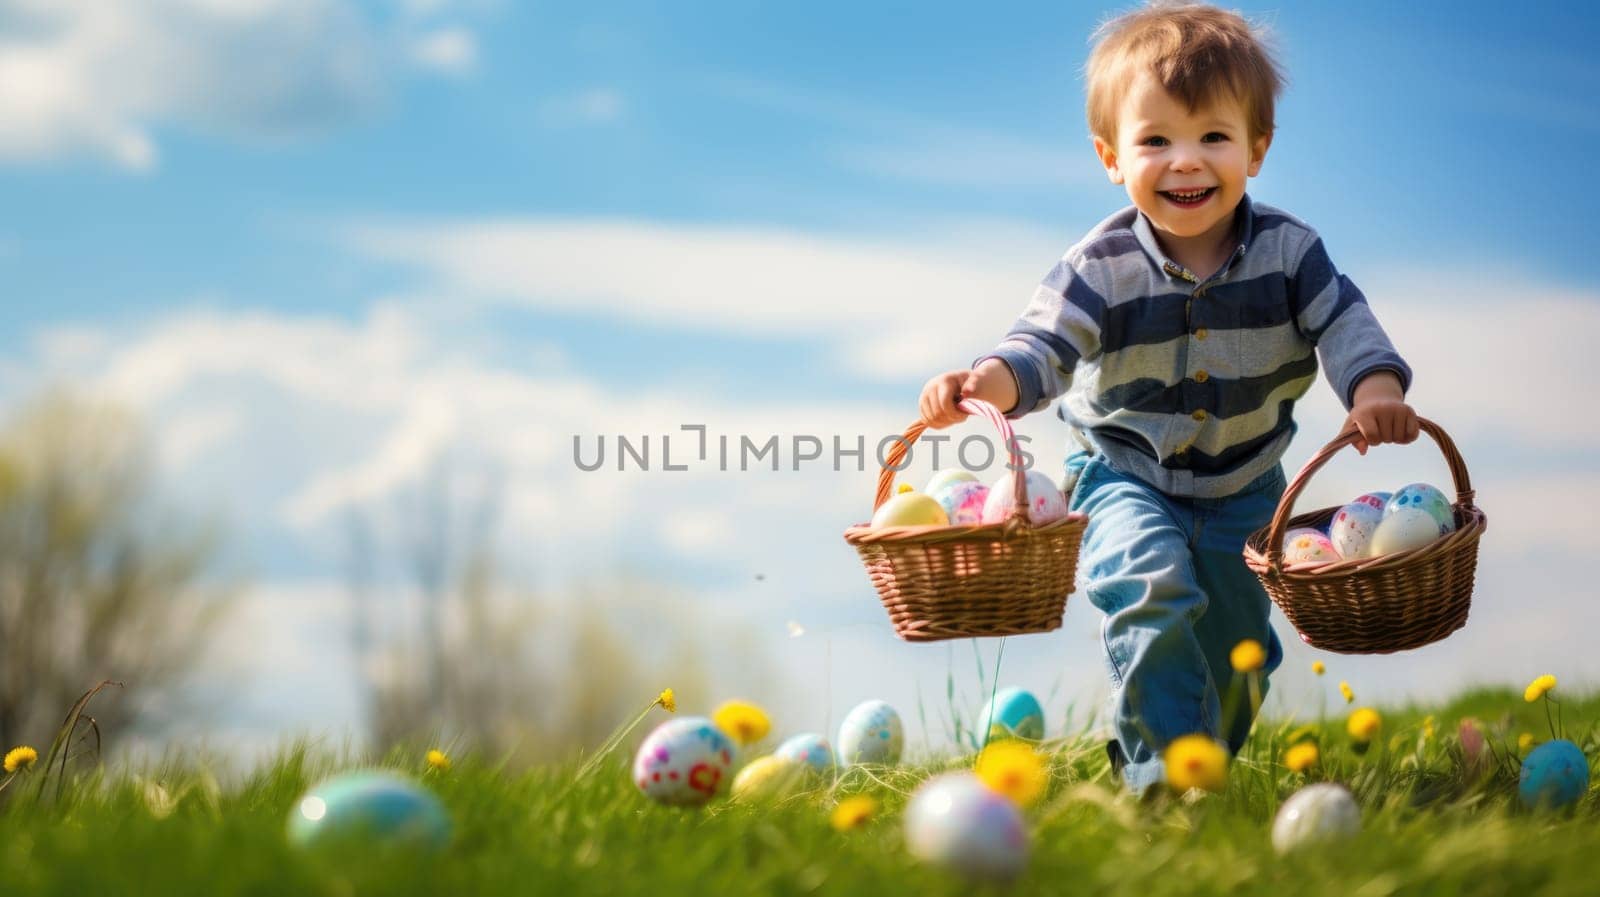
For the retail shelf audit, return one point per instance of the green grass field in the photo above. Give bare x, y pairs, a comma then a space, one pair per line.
1429, 828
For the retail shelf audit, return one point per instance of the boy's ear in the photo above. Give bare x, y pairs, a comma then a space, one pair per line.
1108, 158
1258, 153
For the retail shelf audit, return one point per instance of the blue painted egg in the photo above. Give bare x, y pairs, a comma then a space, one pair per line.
810, 748
371, 806
1423, 497
1012, 713
871, 733
1554, 775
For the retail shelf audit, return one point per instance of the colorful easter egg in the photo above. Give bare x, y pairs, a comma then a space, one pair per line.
766, 778
1012, 713
963, 502
1046, 504
683, 761
809, 748
1352, 526
910, 509
369, 807
955, 822
1304, 545
1554, 774
870, 733
1402, 530
1315, 813
1427, 498
948, 477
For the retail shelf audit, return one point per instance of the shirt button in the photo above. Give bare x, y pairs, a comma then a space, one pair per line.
1201, 376
1200, 334
1199, 414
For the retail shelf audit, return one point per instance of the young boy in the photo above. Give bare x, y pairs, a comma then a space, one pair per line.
1182, 330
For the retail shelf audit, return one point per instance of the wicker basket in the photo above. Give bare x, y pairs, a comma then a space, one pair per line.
1373, 605
944, 582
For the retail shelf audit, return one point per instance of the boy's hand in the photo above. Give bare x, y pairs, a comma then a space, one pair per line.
1380, 412
990, 381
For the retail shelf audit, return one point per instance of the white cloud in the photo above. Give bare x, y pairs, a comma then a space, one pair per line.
591, 106
100, 78
451, 50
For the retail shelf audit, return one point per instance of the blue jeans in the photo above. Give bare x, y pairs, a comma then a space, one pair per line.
1169, 575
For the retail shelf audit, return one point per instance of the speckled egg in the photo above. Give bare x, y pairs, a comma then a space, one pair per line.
954, 821
1012, 713
683, 761
766, 778
1554, 774
1046, 504
371, 807
963, 502
1424, 497
1304, 545
1315, 813
1352, 526
808, 748
948, 477
1403, 530
870, 733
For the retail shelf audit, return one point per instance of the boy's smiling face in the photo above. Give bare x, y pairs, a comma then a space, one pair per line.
1167, 156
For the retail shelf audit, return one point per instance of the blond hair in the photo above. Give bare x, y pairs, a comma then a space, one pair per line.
1199, 53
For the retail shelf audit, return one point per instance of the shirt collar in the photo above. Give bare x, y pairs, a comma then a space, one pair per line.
1244, 222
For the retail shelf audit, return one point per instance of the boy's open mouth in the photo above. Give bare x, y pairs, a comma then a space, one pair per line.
1188, 199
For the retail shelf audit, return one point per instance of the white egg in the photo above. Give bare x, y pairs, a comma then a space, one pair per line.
1319, 812
1046, 504
1352, 526
871, 733
954, 821
1402, 530
1306, 545
683, 761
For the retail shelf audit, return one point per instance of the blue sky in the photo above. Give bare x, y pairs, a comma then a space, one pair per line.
324, 244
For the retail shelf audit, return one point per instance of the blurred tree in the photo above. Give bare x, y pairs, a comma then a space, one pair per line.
487, 665
97, 579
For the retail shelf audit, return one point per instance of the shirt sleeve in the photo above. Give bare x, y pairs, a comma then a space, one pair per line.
1332, 313
1060, 325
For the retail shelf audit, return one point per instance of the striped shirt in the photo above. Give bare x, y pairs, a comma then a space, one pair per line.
1190, 383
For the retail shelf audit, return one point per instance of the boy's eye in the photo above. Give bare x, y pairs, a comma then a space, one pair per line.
1215, 137
1154, 141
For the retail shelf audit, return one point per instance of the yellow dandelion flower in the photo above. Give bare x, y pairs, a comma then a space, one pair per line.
1427, 728
1301, 757
1013, 769
20, 758
1248, 656
1318, 667
1538, 688
1524, 741
1344, 689
1364, 723
1196, 761
744, 722
438, 760
853, 812
667, 701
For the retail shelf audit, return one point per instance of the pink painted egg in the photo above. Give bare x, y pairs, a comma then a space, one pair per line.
1352, 526
1305, 545
963, 502
1046, 504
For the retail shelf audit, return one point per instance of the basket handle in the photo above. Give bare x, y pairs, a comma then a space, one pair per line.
902, 445
1348, 436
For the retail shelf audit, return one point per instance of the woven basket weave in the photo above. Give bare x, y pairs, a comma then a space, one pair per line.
944, 582
1373, 605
